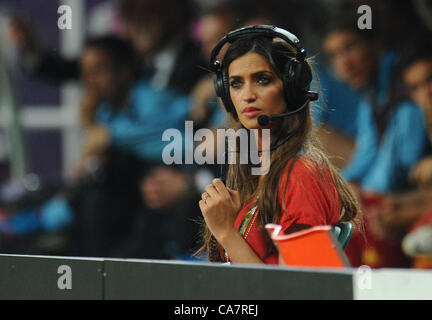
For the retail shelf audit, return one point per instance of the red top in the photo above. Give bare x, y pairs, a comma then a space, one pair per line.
310, 199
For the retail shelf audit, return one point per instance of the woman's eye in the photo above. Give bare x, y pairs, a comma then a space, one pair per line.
264, 80
235, 83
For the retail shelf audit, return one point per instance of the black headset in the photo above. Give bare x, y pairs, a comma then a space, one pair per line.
296, 77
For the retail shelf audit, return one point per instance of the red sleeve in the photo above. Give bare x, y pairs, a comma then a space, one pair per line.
310, 197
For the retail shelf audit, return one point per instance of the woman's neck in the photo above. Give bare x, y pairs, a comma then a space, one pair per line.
262, 139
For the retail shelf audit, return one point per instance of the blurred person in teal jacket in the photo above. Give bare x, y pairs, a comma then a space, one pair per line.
391, 136
390, 133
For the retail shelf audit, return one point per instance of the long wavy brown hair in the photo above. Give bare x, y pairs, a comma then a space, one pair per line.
301, 143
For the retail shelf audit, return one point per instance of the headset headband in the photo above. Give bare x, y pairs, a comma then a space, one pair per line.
258, 30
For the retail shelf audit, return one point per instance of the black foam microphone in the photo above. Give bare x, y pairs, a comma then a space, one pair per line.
263, 120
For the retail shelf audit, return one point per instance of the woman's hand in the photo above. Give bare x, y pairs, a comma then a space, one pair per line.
219, 207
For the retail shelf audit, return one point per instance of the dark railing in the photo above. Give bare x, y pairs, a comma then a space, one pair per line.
51, 277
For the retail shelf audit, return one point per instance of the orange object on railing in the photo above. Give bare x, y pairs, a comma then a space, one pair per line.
313, 247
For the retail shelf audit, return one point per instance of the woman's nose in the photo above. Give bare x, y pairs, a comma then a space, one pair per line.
249, 93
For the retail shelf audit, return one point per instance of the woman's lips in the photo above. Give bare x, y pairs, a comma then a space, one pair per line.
251, 112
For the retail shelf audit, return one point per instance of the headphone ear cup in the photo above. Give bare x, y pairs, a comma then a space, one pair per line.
222, 90
218, 85
297, 79
221, 85
227, 97
305, 76
290, 82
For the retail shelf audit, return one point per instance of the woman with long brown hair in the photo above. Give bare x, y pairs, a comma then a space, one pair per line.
264, 72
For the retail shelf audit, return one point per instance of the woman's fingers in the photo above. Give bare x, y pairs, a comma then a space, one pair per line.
220, 188
201, 204
209, 194
219, 196
204, 197
203, 207
235, 197
212, 192
233, 193
225, 193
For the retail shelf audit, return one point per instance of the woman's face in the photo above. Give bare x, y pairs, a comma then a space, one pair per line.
255, 89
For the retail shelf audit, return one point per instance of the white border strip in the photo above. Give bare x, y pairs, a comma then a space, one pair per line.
392, 284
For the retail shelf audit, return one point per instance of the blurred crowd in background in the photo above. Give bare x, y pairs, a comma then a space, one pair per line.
143, 67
